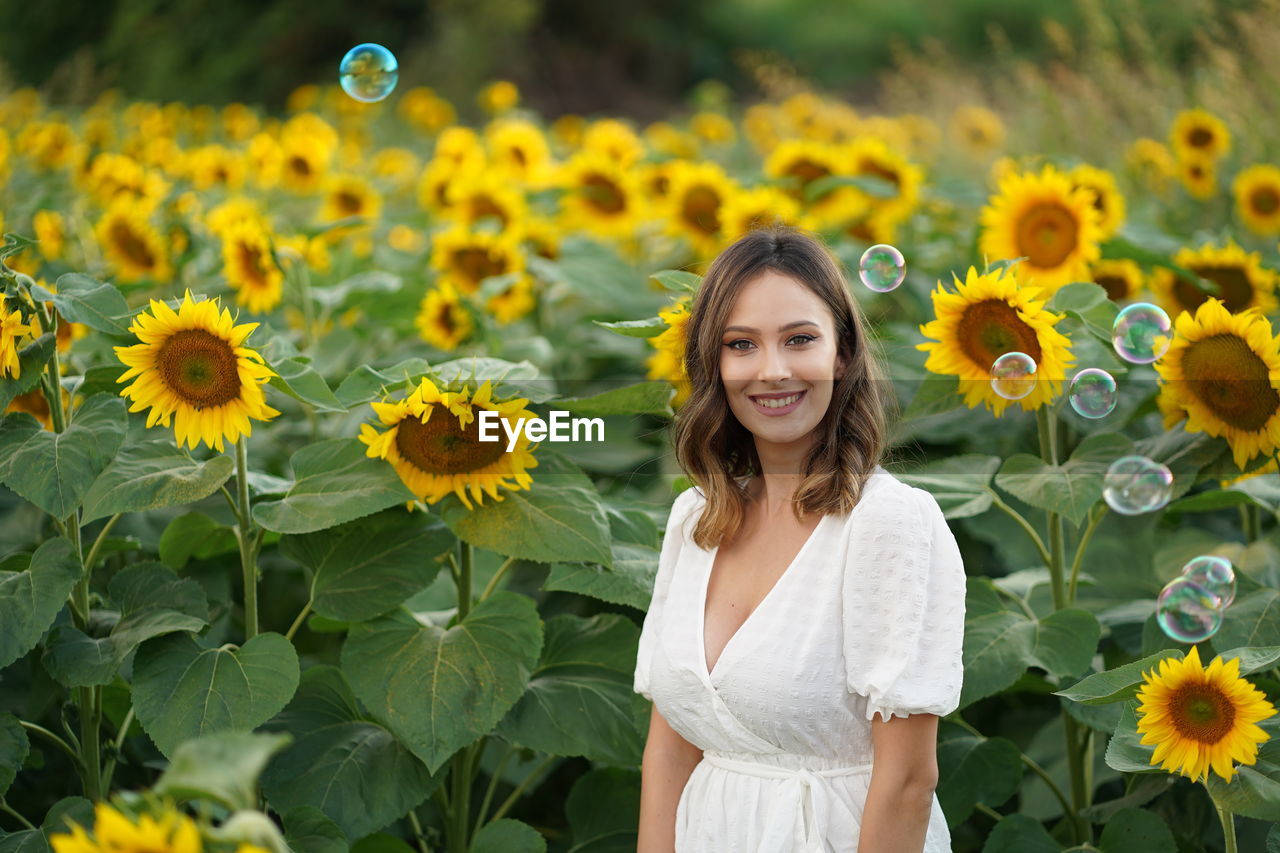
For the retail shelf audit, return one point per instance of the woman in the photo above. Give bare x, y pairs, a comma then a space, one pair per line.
805, 629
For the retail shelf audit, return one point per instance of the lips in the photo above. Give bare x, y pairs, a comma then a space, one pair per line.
777, 402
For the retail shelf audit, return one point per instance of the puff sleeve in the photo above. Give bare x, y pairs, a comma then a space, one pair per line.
902, 607
672, 540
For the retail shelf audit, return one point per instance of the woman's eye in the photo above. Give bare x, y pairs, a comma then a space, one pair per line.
734, 344
807, 338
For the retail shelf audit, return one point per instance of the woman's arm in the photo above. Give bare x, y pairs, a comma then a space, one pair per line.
668, 761
895, 818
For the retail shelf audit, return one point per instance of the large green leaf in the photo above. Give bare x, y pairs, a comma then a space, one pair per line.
1139, 830
334, 482
220, 766
1070, 488
195, 535
31, 361
1119, 684
364, 568
1125, 750
151, 600
438, 690
649, 327
30, 599
365, 383
579, 697
351, 769
559, 518
603, 810
14, 747
628, 581
26, 841
99, 305
974, 769
1254, 791
151, 475
1019, 833
294, 374
1253, 620
1065, 641
55, 470
642, 398
999, 646
960, 484
508, 836
307, 830
182, 690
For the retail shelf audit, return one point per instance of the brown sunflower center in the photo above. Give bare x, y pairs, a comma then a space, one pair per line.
1046, 234
807, 171
442, 446
991, 328
604, 194
1116, 286
869, 167
517, 154
1234, 288
349, 203
253, 265
482, 206
477, 264
1230, 379
1200, 137
1201, 712
701, 209
130, 244
200, 368
299, 166
1265, 200
444, 319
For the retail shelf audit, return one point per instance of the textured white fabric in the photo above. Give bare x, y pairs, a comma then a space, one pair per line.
868, 618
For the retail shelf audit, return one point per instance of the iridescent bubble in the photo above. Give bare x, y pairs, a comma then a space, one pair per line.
1215, 574
1141, 333
882, 268
1135, 484
1187, 612
1013, 375
368, 72
1093, 393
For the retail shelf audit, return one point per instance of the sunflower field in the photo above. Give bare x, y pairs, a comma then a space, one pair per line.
267, 583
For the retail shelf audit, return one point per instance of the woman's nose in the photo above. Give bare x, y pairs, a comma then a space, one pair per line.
773, 365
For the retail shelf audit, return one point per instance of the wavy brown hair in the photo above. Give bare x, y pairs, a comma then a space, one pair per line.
713, 447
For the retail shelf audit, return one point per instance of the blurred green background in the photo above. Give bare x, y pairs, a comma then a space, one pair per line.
579, 56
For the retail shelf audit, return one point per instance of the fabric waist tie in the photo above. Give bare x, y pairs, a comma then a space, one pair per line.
794, 822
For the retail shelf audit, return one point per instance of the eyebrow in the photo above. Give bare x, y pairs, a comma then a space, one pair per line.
780, 328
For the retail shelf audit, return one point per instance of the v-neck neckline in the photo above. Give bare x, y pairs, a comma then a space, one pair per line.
706, 585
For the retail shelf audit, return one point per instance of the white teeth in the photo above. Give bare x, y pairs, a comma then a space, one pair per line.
777, 403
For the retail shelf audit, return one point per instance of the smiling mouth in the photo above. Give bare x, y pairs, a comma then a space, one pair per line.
778, 402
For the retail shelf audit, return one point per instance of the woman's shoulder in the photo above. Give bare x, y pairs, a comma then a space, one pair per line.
884, 496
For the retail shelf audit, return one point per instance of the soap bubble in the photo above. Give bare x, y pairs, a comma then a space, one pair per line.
368, 72
1135, 484
1093, 393
882, 268
1141, 333
1013, 375
1187, 612
1215, 574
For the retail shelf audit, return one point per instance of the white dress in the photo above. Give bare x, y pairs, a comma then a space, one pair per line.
869, 617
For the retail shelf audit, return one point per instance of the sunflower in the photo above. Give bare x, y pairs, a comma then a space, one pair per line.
12, 330
872, 157
250, 268
1241, 279
193, 364
600, 195
212, 166
1043, 218
1199, 133
1257, 192
498, 97
398, 165
233, 211
442, 319
1151, 160
132, 244
695, 196
112, 175
402, 238
613, 139
758, 207
304, 163
433, 442
1201, 719
714, 128
1121, 278
1107, 199
988, 316
466, 257
51, 232
518, 148
668, 362
542, 238
349, 195
482, 194
436, 178
1199, 175
513, 302
1221, 373
461, 145
265, 160
113, 832
667, 139
977, 131
239, 122
426, 111
797, 163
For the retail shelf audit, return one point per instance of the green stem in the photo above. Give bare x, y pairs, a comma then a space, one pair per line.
1014, 597
97, 543
53, 738
1024, 524
494, 779
493, 581
119, 744
515, 795
989, 812
1228, 823
293, 629
417, 832
1094, 521
464, 580
1248, 523
244, 536
6, 807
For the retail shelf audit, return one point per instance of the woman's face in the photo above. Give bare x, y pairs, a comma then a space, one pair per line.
779, 345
